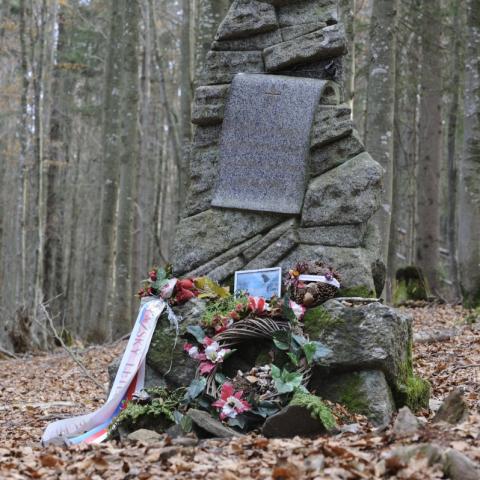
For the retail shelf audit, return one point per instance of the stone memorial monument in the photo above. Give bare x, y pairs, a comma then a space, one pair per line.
278, 173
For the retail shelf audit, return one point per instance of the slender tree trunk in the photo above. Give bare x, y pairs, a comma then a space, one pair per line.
452, 156
430, 143
99, 328
469, 189
122, 292
347, 12
380, 105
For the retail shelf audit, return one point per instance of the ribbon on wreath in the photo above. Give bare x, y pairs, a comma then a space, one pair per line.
130, 379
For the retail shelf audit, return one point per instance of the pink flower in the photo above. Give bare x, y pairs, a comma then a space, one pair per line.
230, 403
193, 352
257, 305
211, 356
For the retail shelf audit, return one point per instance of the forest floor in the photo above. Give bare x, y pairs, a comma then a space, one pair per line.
36, 390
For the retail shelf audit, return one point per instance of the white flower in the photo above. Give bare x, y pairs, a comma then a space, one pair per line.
193, 352
214, 353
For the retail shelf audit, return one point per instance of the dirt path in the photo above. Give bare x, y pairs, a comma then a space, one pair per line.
36, 390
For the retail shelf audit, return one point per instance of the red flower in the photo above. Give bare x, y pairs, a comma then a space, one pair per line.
186, 283
153, 275
234, 315
230, 403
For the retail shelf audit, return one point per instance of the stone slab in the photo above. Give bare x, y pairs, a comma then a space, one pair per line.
331, 123
334, 154
289, 33
268, 239
256, 42
221, 67
275, 252
339, 235
221, 260
208, 104
325, 43
213, 232
350, 193
299, 12
264, 143
215, 428
245, 18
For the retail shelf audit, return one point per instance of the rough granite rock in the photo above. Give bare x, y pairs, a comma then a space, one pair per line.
325, 43
354, 264
165, 355
213, 232
334, 154
458, 466
209, 426
372, 336
406, 424
291, 421
454, 409
208, 104
331, 124
257, 42
206, 136
338, 235
289, 33
365, 392
275, 252
349, 193
298, 12
220, 67
245, 18
143, 435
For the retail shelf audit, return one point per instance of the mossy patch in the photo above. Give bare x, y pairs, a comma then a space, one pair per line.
317, 408
317, 320
359, 291
352, 396
414, 393
410, 284
157, 415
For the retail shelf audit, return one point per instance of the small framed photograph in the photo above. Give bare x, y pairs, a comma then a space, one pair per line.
265, 283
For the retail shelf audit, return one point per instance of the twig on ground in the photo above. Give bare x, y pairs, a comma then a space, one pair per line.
72, 355
462, 367
7, 353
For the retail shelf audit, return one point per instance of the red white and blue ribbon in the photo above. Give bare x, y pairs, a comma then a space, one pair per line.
93, 427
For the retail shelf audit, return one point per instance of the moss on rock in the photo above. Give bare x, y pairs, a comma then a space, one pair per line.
359, 291
413, 393
318, 409
317, 320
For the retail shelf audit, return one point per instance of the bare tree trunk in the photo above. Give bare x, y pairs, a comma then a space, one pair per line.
99, 327
452, 156
122, 292
469, 188
430, 143
380, 105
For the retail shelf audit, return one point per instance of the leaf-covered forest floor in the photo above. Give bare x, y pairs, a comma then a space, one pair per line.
38, 389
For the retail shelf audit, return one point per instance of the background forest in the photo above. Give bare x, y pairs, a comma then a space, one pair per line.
95, 131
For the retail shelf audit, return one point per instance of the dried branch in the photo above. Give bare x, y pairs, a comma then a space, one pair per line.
70, 353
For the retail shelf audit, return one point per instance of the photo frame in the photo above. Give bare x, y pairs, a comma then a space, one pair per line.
264, 282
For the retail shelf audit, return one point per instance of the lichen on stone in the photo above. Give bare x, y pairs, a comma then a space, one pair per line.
318, 409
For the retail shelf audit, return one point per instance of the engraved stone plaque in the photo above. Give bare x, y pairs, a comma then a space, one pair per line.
265, 143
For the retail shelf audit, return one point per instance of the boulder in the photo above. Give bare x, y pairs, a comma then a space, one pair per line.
349, 193
365, 392
327, 42
290, 421
368, 337
245, 18
207, 426
458, 466
166, 356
